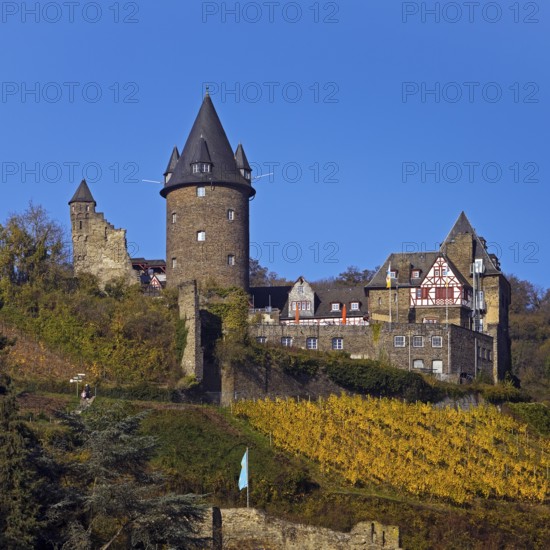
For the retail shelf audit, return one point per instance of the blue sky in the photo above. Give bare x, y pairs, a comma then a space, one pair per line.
380, 120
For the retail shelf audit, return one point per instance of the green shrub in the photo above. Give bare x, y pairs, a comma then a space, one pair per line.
368, 376
536, 415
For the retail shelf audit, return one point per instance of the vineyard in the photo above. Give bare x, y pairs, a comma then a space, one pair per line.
417, 448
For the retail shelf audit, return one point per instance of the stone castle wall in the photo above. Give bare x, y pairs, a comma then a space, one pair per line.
461, 351
247, 528
99, 248
188, 302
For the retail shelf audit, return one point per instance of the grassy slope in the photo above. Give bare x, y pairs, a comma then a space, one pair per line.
202, 446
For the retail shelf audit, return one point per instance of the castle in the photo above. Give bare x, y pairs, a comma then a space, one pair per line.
443, 312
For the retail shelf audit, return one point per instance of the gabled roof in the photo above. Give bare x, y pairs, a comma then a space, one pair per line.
207, 127
463, 226
457, 274
277, 297
174, 157
240, 158
325, 297
83, 194
403, 263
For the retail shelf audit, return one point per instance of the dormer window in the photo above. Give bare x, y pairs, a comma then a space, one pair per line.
393, 274
335, 306
354, 306
247, 175
415, 274
201, 168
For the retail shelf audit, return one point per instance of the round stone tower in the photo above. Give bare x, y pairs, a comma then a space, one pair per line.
207, 191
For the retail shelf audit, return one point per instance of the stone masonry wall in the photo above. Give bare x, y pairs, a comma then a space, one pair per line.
188, 302
99, 248
248, 529
189, 259
376, 341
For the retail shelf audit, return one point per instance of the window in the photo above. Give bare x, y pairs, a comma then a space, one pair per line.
418, 364
444, 293
311, 343
437, 272
201, 191
201, 167
418, 293
418, 341
437, 366
437, 341
398, 341
231, 215
261, 339
424, 293
80, 224
301, 289
335, 306
87, 208
337, 343
201, 235
354, 306
174, 217
231, 259
379, 301
301, 306
174, 263
490, 355
286, 341
430, 321
415, 274
393, 274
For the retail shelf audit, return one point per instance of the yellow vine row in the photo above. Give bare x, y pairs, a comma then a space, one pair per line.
426, 451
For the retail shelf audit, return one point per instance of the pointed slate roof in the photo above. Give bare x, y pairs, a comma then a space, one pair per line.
207, 127
174, 157
83, 194
240, 158
463, 226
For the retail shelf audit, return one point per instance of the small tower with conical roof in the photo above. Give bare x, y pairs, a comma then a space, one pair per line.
207, 191
82, 205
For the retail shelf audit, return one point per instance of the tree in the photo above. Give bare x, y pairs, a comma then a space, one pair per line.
353, 276
31, 246
261, 276
114, 498
530, 332
20, 482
